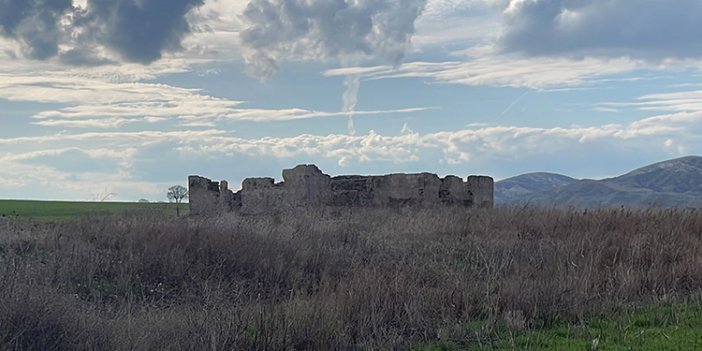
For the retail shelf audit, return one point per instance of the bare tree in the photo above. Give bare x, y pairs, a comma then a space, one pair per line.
177, 193
103, 196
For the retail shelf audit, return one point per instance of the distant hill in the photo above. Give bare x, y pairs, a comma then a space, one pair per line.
682, 175
672, 183
525, 187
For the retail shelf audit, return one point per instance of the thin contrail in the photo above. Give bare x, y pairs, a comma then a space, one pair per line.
516, 101
352, 83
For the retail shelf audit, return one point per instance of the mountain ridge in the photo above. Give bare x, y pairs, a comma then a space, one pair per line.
528, 185
670, 183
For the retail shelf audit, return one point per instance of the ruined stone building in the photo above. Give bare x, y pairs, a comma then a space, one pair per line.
307, 186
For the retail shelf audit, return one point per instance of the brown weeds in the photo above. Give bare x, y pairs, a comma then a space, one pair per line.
344, 279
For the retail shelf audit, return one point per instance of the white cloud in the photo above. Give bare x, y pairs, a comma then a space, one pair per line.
535, 73
444, 8
102, 97
118, 138
216, 27
22, 181
679, 101
457, 146
460, 31
683, 101
460, 23
674, 134
454, 146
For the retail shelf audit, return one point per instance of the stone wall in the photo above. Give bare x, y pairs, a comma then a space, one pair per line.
211, 198
483, 191
259, 195
307, 186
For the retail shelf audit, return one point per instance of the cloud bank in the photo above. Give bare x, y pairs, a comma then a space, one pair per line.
138, 30
34, 24
134, 30
347, 31
304, 30
533, 73
648, 29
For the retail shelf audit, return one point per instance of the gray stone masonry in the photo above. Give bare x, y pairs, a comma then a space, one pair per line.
305, 186
211, 198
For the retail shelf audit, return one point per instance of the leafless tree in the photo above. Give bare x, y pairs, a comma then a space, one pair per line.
177, 194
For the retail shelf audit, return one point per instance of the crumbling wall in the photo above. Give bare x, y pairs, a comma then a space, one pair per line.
354, 191
228, 199
482, 189
454, 191
259, 195
399, 190
210, 198
302, 186
307, 186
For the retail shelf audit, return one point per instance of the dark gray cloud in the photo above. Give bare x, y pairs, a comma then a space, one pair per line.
326, 29
84, 57
35, 24
646, 29
347, 31
138, 30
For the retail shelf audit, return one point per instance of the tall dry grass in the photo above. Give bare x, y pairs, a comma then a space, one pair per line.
346, 279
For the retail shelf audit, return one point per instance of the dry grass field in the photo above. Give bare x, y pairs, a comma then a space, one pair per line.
508, 278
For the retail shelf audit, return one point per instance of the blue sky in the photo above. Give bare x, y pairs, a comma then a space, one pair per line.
129, 97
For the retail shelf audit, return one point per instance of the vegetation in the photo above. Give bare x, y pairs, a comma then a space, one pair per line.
509, 278
64, 210
177, 193
665, 326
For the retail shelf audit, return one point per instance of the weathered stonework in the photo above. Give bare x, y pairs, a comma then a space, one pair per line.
307, 186
482, 190
210, 198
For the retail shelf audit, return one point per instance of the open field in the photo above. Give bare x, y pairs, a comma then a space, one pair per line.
663, 326
503, 279
64, 210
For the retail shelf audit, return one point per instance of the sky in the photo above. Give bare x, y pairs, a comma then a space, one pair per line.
121, 99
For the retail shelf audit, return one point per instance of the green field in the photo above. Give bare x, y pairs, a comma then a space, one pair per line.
63, 210
648, 328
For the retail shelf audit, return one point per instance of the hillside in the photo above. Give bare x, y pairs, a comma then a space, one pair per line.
682, 175
526, 187
672, 183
